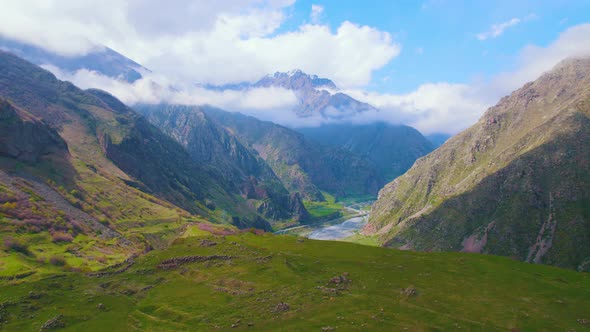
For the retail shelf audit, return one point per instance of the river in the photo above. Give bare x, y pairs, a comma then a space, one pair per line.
339, 231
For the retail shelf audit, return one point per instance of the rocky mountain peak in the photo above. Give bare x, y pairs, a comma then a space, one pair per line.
296, 79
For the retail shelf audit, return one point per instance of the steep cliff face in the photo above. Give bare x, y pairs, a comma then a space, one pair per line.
210, 144
514, 184
24, 137
302, 165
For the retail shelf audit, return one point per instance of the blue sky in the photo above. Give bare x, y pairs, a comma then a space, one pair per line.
439, 38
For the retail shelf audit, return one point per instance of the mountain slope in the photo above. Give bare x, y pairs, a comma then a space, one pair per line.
392, 149
118, 156
303, 166
24, 137
209, 143
513, 184
104, 61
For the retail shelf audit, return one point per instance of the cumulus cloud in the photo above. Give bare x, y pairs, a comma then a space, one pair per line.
497, 30
534, 60
316, 12
432, 108
216, 42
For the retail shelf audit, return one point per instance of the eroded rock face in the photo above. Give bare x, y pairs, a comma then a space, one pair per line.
24, 137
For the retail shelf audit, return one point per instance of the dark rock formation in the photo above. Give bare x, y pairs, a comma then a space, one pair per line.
24, 137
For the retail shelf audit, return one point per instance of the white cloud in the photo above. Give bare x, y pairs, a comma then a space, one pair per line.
534, 60
450, 108
316, 13
202, 41
497, 30
432, 108
273, 103
235, 40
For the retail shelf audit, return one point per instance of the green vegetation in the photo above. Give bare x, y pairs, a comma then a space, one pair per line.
367, 240
266, 282
325, 210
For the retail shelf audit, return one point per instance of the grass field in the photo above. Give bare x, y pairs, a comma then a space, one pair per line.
324, 209
267, 282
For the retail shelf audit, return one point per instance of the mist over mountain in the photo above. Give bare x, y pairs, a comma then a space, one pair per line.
103, 60
317, 97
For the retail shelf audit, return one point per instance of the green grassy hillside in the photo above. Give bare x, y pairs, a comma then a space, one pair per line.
266, 282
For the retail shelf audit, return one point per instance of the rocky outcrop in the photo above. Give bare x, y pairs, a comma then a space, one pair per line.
24, 137
285, 207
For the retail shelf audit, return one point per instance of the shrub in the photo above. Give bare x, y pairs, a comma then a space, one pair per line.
11, 243
61, 237
75, 193
57, 261
9, 206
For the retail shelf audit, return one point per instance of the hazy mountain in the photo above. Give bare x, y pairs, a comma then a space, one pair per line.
302, 165
209, 143
103, 60
391, 149
438, 139
513, 184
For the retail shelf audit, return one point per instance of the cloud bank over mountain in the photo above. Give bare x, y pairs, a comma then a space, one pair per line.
216, 42
186, 43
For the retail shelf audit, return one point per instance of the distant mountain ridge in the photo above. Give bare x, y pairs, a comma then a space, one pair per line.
391, 149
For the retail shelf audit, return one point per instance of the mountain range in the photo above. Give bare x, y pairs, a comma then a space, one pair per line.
159, 217
174, 161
